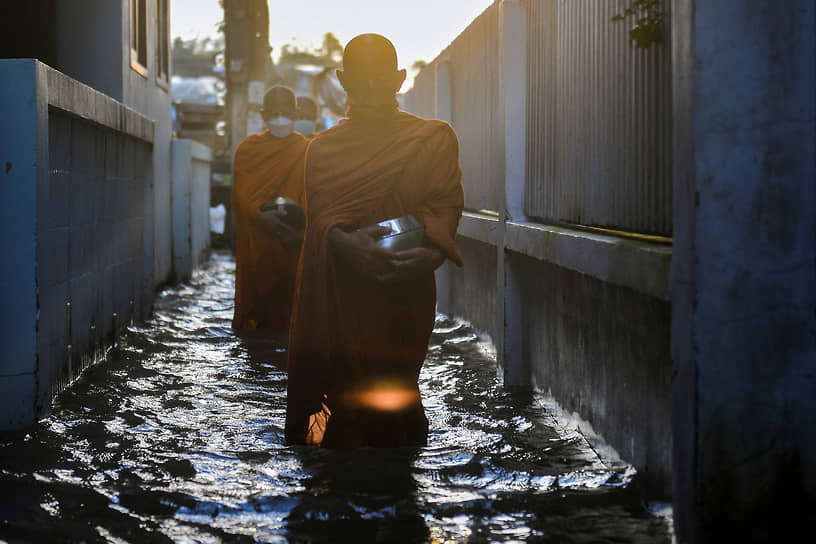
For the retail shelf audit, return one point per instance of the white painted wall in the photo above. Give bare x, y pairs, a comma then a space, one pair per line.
191, 206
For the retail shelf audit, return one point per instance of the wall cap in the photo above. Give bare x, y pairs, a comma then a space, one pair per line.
76, 98
642, 266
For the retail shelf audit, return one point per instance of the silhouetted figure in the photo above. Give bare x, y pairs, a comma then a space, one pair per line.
307, 116
363, 315
267, 165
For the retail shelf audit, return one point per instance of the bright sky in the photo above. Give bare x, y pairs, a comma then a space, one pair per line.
420, 29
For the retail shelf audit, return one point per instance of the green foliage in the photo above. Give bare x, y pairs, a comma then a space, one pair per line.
418, 65
332, 48
328, 54
196, 57
650, 20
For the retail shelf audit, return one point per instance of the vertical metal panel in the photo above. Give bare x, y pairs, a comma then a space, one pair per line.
474, 64
423, 101
599, 125
472, 61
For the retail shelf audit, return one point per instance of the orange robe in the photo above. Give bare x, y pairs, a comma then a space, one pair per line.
356, 346
264, 167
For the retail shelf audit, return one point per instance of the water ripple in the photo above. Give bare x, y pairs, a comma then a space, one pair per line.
178, 437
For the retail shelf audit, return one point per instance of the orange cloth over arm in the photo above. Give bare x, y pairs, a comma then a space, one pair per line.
351, 334
264, 167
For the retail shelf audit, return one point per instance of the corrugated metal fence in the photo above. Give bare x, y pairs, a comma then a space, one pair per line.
598, 116
422, 97
599, 119
472, 88
474, 76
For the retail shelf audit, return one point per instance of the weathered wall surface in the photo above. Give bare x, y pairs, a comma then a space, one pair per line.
200, 204
24, 111
78, 171
149, 96
471, 291
744, 325
583, 315
585, 319
90, 247
603, 352
93, 57
191, 206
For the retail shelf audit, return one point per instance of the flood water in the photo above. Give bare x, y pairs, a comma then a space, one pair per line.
178, 437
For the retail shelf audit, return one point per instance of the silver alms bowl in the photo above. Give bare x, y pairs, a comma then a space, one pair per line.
406, 233
294, 214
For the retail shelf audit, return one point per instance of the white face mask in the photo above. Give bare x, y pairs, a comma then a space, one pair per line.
305, 127
280, 126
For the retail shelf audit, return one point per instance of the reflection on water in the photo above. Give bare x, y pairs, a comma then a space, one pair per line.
179, 438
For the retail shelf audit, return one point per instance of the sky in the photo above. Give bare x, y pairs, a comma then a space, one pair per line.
420, 29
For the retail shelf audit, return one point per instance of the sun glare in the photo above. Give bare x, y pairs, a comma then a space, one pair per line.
420, 29
388, 398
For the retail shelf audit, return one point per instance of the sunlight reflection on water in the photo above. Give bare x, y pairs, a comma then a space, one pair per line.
178, 437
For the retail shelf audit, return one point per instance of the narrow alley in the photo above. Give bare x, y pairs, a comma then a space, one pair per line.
178, 437
612, 248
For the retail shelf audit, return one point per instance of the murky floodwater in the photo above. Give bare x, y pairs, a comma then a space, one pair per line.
179, 438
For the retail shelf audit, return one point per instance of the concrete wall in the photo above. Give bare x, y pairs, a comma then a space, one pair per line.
89, 237
581, 315
584, 317
471, 290
149, 96
191, 206
77, 177
603, 352
25, 132
90, 47
200, 204
744, 325
93, 46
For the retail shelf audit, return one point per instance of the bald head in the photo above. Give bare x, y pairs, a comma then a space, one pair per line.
370, 71
279, 101
369, 55
307, 108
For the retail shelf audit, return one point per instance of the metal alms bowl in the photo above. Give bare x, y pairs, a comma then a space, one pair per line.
294, 214
406, 233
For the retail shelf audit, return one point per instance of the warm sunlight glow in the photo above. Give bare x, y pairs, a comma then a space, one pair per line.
420, 29
388, 398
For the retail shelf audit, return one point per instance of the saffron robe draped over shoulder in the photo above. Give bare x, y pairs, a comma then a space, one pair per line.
264, 167
356, 346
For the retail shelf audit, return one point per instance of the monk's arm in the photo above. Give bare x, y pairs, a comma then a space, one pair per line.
442, 202
411, 264
443, 197
247, 201
271, 222
358, 249
243, 188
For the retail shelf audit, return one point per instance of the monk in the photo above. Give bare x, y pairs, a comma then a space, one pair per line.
363, 315
267, 165
307, 116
